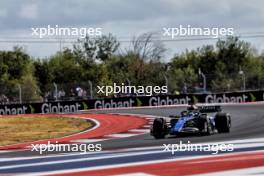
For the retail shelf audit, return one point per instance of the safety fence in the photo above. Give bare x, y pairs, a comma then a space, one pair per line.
139, 101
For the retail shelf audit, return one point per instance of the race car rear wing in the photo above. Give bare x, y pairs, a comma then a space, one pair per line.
209, 109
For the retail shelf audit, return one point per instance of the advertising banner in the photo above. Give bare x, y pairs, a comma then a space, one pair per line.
162, 100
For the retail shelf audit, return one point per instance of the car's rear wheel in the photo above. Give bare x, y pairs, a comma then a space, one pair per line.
223, 122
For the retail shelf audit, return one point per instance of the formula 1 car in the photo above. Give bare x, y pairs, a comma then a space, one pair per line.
205, 120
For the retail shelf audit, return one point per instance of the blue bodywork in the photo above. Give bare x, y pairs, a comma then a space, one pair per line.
190, 116
180, 123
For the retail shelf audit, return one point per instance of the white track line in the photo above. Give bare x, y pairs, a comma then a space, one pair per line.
121, 135
135, 174
241, 172
112, 155
147, 126
245, 144
126, 165
137, 131
140, 130
87, 140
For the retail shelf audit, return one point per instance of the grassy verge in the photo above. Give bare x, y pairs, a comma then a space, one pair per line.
27, 129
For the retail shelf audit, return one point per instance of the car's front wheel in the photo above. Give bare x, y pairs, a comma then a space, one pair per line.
159, 128
206, 128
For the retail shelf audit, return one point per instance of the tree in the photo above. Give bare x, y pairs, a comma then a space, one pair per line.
146, 48
234, 53
14, 63
106, 45
17, 70
100, 48
43, 74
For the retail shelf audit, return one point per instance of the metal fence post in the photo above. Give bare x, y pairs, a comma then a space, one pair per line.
204, 79
91, 89
128, 81
166, 80
20, 93
56, 91
241, 72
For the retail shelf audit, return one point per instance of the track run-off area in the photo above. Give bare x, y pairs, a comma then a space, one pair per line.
128, 149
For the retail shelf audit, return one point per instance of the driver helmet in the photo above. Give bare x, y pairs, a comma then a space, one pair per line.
192, 108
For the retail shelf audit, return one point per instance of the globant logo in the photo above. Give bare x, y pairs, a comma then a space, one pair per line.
225, 99
58, 108
159, 101
102, 104
13, 111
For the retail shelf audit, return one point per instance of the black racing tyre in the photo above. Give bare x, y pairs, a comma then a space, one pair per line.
223, 122
205, 127
159, 128
208, 130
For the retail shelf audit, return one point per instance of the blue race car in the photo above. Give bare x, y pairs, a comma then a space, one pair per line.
205, 120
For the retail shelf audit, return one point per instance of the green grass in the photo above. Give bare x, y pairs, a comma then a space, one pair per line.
27, 129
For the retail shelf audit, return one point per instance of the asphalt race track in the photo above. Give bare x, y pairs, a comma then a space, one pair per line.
142, 154
247, 122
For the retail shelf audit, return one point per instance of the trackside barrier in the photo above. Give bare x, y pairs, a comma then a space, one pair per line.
110, 103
